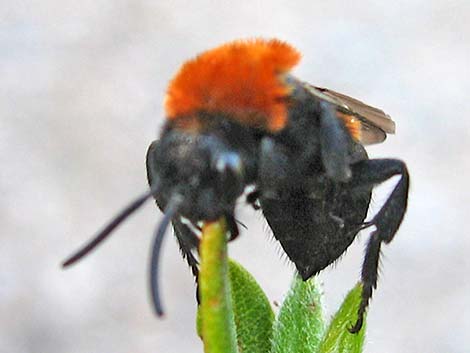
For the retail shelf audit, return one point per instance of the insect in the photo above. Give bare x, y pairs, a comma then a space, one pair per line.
238, 120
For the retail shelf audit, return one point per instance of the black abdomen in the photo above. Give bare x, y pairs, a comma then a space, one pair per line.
315, 231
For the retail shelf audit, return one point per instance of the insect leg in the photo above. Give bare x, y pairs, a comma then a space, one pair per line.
274, 169
187, 241
252, 199
232, 226
335, 142
386, 221
376, 171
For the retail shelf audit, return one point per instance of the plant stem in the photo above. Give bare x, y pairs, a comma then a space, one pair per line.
218, 327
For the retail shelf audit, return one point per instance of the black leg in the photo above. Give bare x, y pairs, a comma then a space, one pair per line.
187, 241
335, 142
374, 172
252, 199
386, 221
232, 226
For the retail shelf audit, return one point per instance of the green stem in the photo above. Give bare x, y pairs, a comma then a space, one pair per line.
218, 328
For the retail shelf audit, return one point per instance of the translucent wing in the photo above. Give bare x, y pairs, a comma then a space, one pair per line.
373, 125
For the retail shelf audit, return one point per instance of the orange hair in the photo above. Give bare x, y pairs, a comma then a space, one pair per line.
240, 79
352, 123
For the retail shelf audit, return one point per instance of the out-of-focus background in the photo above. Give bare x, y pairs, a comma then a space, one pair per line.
81, 92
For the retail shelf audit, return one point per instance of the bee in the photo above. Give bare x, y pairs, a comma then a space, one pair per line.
240, 124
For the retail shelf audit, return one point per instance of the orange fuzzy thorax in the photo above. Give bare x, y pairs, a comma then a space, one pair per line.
352, 123
241, 80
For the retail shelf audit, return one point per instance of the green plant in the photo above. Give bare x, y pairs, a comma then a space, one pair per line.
235, 315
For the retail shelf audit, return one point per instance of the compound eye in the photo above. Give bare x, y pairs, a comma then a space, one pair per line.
229, 163
230, 169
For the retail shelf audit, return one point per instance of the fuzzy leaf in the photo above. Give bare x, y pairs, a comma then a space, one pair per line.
338, 339
299, 326
252, 310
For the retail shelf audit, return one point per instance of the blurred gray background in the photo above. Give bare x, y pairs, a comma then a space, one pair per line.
81, 92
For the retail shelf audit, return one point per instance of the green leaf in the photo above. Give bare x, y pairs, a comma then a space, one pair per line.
338, 339
235, 316
215, 321
299, 327
253, 314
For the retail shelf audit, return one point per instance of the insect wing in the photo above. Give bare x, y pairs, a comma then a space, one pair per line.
374, 123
